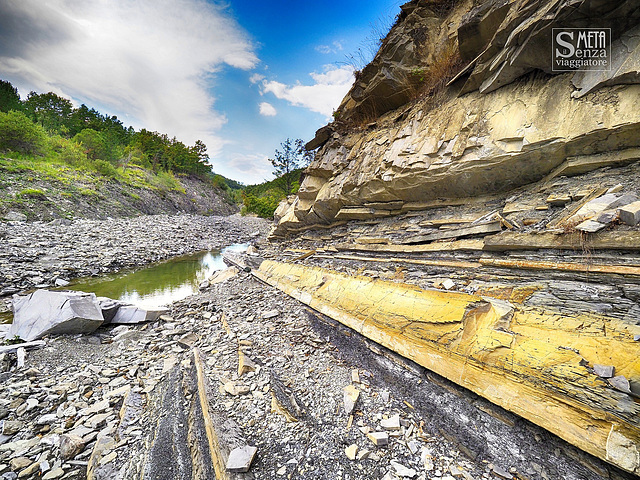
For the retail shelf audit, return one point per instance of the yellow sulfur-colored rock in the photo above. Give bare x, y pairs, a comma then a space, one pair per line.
535, 363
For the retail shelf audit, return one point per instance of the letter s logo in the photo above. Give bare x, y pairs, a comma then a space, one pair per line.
565, 44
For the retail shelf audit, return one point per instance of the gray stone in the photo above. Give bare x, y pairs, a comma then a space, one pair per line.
15, 217
240, 459
61, 283
604, 371
128, 314
630, 214
620, 383
46, 313
10, 427
70, 446
109, 308
590, 226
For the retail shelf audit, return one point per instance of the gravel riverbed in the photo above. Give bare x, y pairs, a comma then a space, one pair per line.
46, 254
86, 401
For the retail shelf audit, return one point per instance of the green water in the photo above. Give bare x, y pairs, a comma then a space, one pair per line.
156, 285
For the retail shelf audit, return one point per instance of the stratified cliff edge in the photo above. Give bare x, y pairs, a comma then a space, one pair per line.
505, 119
477, 212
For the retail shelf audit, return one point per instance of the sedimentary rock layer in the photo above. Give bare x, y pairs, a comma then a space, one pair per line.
541, 365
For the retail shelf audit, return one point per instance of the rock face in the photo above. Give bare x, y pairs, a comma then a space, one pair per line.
403, 139
43, 313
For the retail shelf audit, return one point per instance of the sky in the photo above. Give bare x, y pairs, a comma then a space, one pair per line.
240, 75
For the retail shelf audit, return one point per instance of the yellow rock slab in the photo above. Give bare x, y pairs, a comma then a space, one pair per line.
534, 363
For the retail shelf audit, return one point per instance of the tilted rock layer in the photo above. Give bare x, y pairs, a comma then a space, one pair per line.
503, 121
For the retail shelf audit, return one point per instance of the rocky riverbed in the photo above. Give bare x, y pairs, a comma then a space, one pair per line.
48, 254
316, 399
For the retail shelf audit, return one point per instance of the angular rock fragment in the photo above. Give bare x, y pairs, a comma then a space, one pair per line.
378, 438
604, 371
44, 313
350, 398
70, 446
240, 459
223, 275
403, 471
351, 451
630, 214
590, 226
245, 364
391, 423
127, 314
109, 307
620, 383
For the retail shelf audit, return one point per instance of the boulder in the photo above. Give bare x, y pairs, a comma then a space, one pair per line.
44, 313
109, 307
131, 314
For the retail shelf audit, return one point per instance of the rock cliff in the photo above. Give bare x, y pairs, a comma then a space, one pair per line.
461, 165
461, 100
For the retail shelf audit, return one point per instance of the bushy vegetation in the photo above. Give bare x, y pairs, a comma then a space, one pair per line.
288, 163
46, 127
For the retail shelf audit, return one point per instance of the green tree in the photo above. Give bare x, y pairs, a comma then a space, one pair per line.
9, 98
51, 111
292, 157
19, 134
93, 144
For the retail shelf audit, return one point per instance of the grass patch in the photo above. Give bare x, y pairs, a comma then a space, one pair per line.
88, 192
167, 182
32, 193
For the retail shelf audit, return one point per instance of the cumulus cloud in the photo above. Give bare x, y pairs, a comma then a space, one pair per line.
149, 59
324, 96
256, 78
335, 47
267, 110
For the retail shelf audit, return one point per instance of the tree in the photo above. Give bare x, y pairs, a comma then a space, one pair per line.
49, 110
292, 157
93, 144
19, 134
9, 98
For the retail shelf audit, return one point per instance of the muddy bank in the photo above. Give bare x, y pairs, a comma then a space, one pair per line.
39, 254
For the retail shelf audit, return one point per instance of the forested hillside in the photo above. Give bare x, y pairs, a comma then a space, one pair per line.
57, 160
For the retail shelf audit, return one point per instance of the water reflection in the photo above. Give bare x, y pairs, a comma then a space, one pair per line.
160, 284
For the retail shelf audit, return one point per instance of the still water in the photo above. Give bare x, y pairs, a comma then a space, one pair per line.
156, 285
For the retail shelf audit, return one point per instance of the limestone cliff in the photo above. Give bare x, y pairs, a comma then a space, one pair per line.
504, 119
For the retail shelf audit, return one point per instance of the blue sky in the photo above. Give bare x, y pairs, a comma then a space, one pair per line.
242, 75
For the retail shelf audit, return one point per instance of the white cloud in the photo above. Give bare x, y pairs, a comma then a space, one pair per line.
256, 77
335, 47
252, 168
267, 110
324, 96
149, 59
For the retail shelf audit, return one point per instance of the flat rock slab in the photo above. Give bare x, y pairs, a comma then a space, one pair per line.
44, 313
240, 459
127, 314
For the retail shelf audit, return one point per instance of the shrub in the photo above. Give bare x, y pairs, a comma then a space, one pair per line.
104, 168
265, 205
93, 143
19, 134
68, 151
166, 181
